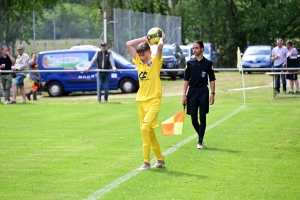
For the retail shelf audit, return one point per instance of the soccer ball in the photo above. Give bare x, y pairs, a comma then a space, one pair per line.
154, 34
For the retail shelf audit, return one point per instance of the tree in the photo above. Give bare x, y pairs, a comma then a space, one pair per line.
237, 23
16, 19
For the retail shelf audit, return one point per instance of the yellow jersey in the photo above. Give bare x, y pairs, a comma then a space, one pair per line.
149, 78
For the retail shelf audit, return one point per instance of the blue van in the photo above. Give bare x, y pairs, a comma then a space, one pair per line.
78, 58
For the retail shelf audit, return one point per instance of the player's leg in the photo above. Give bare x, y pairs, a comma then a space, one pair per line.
195, 123
204, 109
152, 109
192, 107
145, 136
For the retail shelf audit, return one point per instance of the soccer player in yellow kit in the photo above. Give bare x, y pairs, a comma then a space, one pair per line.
148, 96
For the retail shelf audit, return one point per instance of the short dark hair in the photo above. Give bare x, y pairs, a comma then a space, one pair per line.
143, 47
290, 43
279, 39
200, 43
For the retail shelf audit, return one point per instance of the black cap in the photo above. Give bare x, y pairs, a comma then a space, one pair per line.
103, 44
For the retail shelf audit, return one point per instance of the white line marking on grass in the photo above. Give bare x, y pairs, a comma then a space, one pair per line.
247, 88
116, 183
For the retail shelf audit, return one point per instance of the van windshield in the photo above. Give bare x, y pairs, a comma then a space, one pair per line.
121, 59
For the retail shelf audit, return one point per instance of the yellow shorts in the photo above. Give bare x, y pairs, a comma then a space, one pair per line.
148, 112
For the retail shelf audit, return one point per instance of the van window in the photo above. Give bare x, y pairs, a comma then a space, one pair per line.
75, 61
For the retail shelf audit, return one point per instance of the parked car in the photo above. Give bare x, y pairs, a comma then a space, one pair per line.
257, 56
210, 52
173, 59
78, 58
187, 50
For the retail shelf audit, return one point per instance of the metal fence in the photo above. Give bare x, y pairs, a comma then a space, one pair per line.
129, 25
62, 30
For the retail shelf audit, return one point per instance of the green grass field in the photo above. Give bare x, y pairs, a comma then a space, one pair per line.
72, 147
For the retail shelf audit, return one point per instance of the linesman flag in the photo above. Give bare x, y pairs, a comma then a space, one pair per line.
173, 125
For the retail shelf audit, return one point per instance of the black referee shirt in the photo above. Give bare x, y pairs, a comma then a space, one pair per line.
196, 72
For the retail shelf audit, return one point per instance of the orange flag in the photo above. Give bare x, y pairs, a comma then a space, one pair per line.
173, 125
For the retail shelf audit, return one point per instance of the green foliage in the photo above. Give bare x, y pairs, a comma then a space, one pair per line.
237, 23
16, 18
227, 23
71, 21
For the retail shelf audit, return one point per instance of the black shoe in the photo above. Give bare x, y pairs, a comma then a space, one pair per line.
28, 95
291, 92
34, 96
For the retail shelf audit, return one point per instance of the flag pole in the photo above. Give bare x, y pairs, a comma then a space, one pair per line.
241, 70
243, 80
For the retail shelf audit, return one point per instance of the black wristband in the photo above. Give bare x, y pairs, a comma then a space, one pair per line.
213, 93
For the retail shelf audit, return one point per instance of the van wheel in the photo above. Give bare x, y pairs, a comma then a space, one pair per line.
128, 85
55, 89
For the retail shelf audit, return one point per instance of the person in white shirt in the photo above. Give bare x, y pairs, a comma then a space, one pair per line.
279, 55
20, 65
292, 77
104, 60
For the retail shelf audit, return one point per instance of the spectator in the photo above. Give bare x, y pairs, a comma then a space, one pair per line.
292, 77
105, 61
20, 65
34, 77
6, 61
279, 54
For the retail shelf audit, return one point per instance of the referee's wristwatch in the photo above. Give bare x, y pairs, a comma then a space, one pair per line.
213, 93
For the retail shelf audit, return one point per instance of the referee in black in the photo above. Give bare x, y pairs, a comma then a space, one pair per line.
195, 90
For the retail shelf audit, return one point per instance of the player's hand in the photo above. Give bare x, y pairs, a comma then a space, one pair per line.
184, 100
87, 69
114, 69
212, 99
284, 64
13, 69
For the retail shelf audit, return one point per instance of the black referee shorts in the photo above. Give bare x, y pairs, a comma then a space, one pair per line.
197, 97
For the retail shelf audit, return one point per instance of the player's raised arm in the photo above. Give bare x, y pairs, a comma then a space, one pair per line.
130, 45
160, 46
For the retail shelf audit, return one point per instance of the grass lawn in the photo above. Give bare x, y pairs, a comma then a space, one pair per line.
71, 147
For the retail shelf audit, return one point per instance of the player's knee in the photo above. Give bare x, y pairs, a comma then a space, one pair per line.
145, 129
194, 118
203, 118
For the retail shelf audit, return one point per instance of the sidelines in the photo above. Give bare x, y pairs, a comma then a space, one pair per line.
116, 183
247, 88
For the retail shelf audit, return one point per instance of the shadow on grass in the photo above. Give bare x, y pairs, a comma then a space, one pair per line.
177, 173
218, 149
